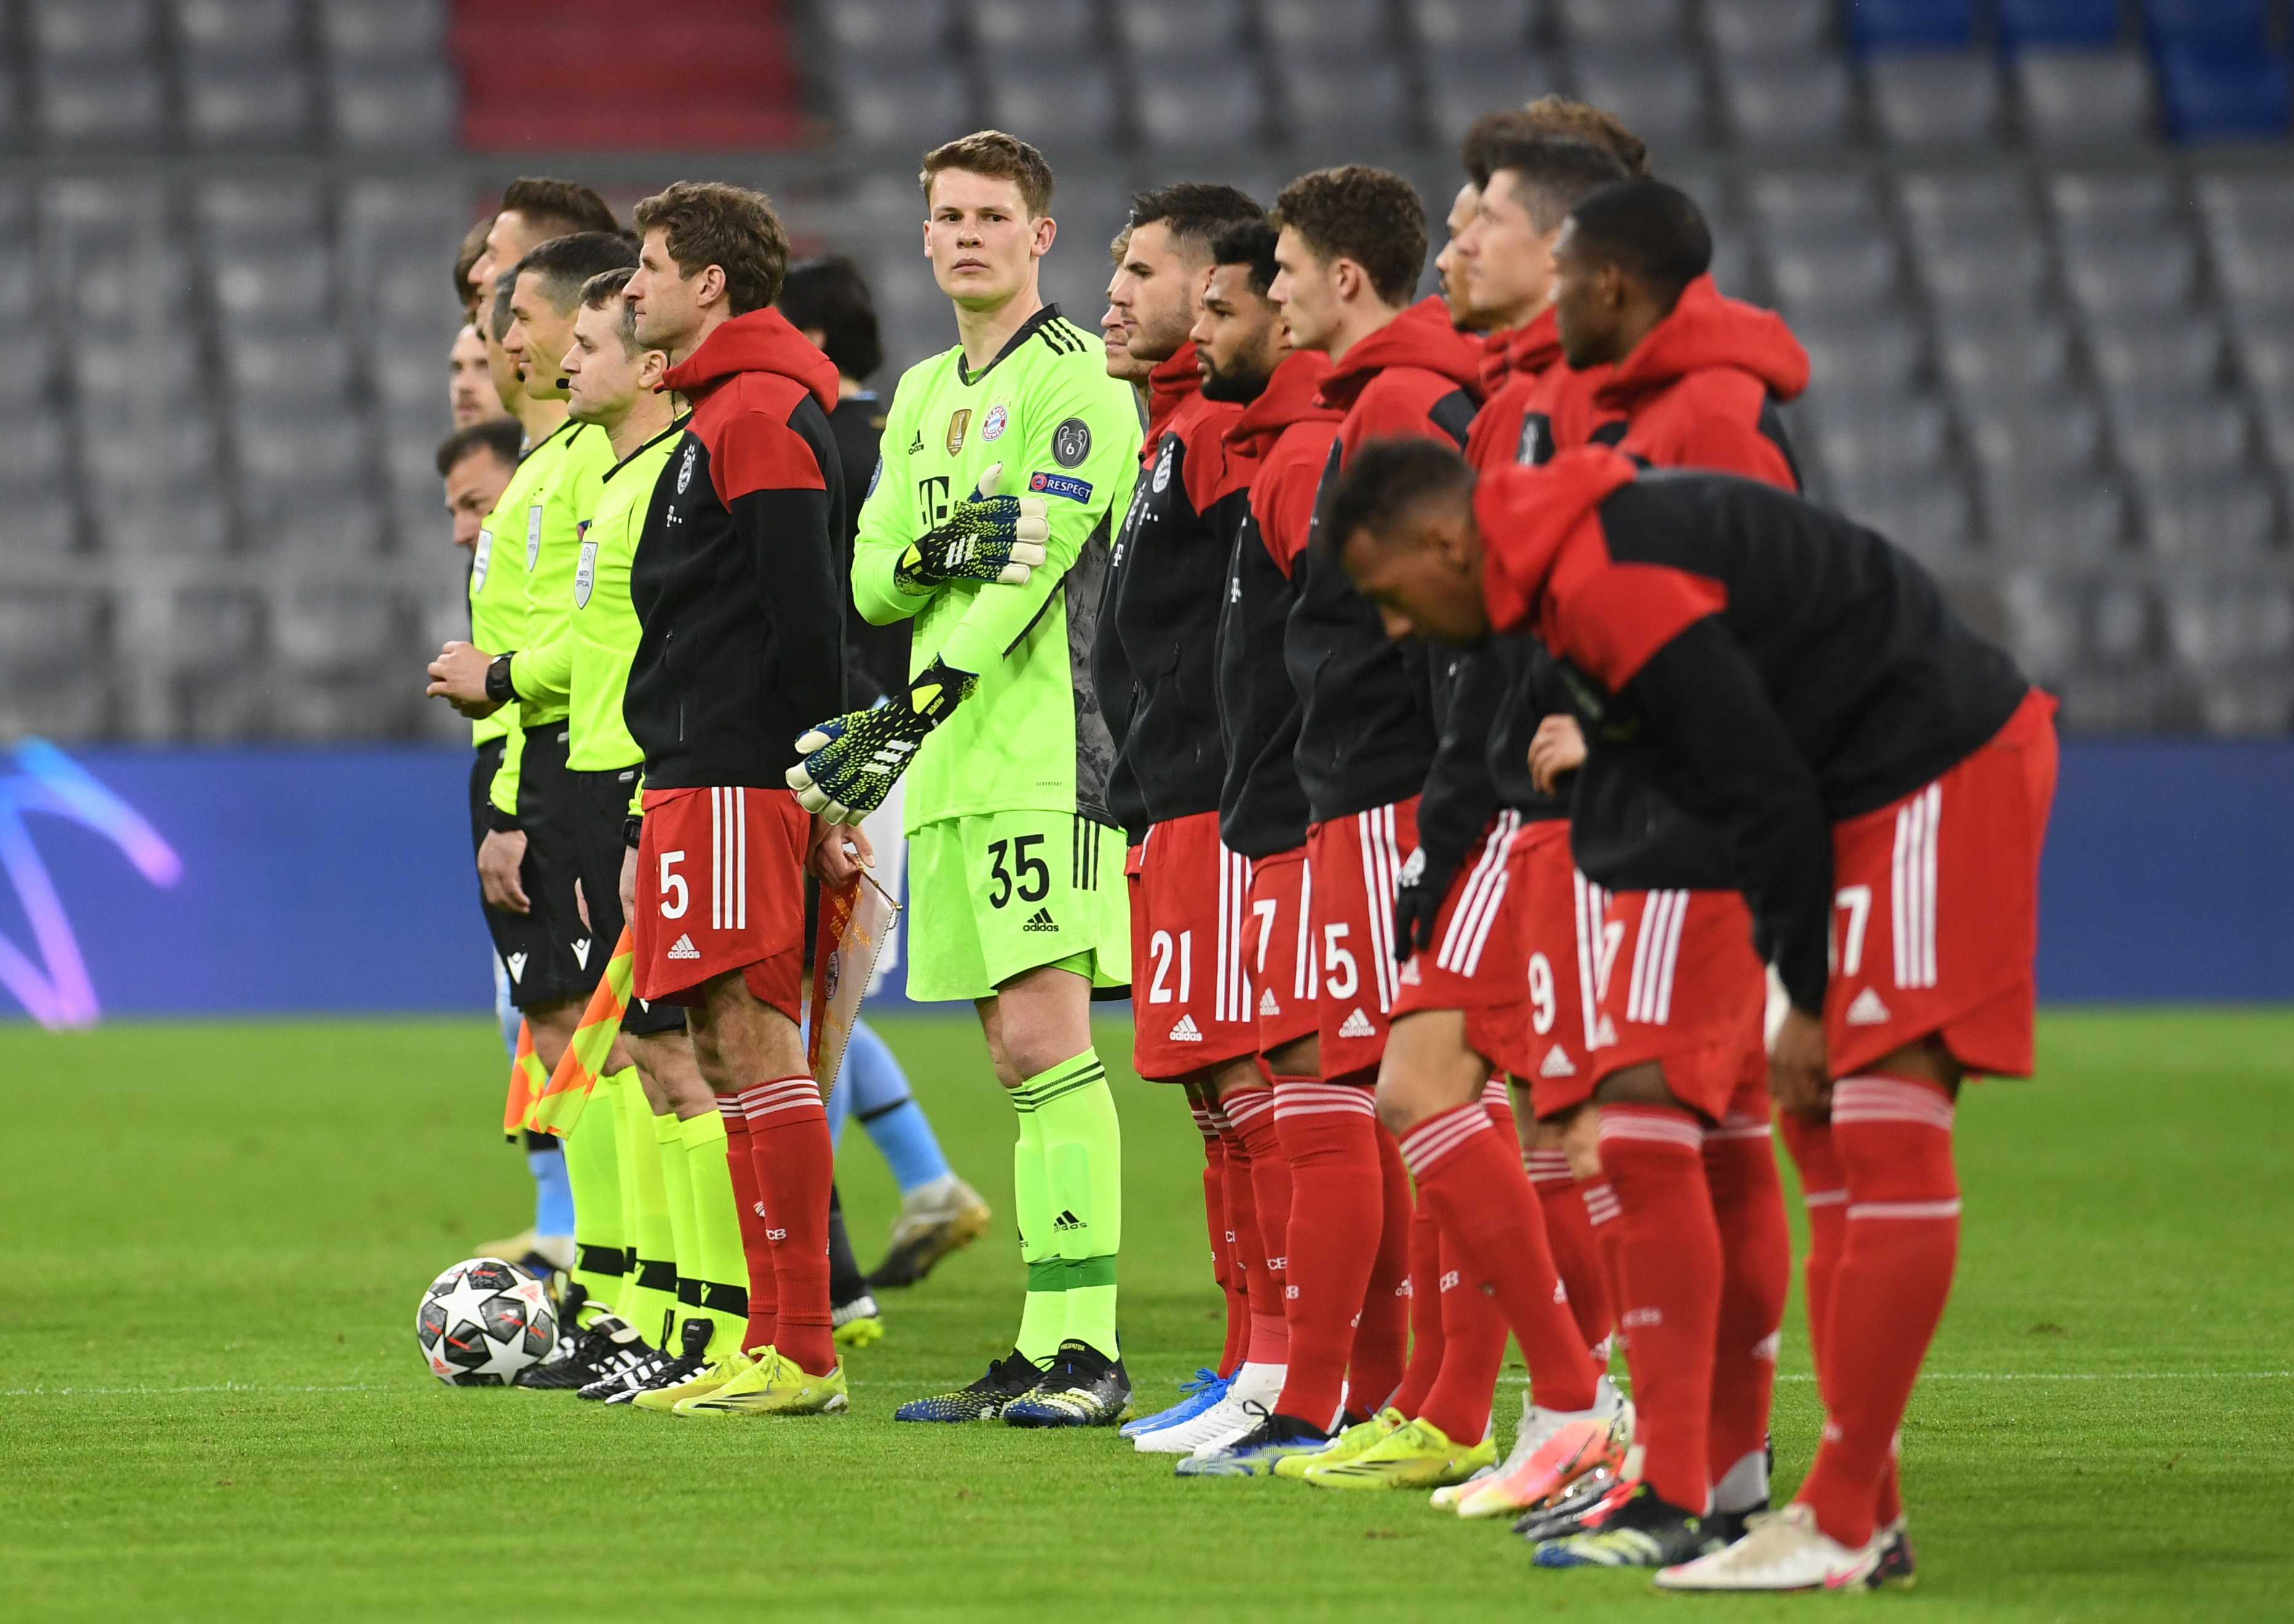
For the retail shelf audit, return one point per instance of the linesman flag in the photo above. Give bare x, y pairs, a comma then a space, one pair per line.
856, 920
559, 1106
527, 1080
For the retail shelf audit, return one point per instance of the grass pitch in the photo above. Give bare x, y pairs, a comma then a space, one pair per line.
211, 1406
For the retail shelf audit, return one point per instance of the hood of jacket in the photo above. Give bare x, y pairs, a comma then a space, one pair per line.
1420, 337
1174, 382
1290, 396
1527, 516
1707, 329
1523, 352
762, 341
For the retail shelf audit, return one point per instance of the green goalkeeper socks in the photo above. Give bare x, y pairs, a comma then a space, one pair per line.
593, 1168
1045, 1315
1072, 1113
721, 1265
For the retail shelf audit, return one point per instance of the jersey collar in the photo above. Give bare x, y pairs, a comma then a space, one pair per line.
675, 427
1050, 312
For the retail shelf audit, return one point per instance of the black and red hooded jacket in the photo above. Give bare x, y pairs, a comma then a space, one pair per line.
1371, 712
1767, 667
1279, 445
1701, 390
1158, 630
735, 580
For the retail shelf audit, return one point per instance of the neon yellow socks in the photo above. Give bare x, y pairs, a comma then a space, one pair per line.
593, 1169
1043, 1319
651, 1304
718, 1260
1079, 1142
684, 1240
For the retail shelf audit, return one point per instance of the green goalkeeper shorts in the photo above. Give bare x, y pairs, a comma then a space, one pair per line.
993, 897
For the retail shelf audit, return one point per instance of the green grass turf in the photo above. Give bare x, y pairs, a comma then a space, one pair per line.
211, 1405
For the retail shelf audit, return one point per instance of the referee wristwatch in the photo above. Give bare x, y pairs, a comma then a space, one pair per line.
497, 683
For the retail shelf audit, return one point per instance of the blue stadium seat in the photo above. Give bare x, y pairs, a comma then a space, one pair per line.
1911, 25
2238, 24
2215, 93
2092, 23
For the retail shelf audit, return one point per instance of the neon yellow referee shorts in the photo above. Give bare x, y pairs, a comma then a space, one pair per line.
997, 895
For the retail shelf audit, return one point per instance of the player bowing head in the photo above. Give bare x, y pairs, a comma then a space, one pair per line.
545, 291
987, 219
1405, 530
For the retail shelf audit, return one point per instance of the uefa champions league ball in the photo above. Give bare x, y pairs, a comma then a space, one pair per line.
483, 1321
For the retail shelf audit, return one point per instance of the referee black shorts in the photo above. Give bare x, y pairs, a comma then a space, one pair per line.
601, 803
570, 956
521, 940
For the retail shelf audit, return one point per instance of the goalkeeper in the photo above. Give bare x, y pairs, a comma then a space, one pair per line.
1006, 463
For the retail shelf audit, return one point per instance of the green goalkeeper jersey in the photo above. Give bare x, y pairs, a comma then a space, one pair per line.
584, 670
1031, 735
498, 566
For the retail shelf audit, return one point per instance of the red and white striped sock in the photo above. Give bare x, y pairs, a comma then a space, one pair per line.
756, 1252
1469, 1327
1251, 1111
1892, 1137
1669, 1258
1748, 1209
1382, 1326
1493, 1228
1569, 1234
1330, 1137
795, 1163
1231, 1284
1250, 1260
1426, 1321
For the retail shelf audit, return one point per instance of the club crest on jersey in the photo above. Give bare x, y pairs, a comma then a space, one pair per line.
685, 468
958, 421
1071, 442
992, 426
1163, 465
585, 574
1060, 484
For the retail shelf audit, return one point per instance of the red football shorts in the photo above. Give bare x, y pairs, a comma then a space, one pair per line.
1559, 913
1679, 983
1475, 964
1191, 995
1936, 908
1356, 863
1283, 975
721, 886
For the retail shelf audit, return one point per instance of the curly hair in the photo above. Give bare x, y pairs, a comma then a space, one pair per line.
1371, 216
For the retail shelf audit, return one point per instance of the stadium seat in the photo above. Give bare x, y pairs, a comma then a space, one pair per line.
380, 107
2110, 279
1061, 103
1834, 276
1213, 105
1326, 29
2211, 520
1171, 28
101, 106
288, 287
278, 448
2216, 93
1878, 26
906, 107
2091, 24
1741, 29
888, 29
84, 30
1659, 92
1934, 99
1987, 353
245, 104
2176, 356
1038, 28
54, 656
1859, 352
2247, 701
2180, 440
2238, 25
31, 449
1487, 25
1625, 25
112, 368
2083, 100
1801, 99
1881, 443
187, 519
1327, 99
312, 369
383, 32
1813, 208
238, 30
2211, 624
1461, 85
2124, 622
1931, 517
38, 521
2250, 226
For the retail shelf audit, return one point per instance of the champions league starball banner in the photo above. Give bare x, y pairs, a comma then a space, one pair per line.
315, 880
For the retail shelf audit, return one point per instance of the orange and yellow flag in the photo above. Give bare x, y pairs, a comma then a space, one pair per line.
559, 1104
525, 1080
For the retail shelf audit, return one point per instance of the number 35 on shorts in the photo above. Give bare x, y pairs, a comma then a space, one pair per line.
1017, 871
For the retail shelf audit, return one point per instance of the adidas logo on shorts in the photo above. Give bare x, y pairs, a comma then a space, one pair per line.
1556, 1064
1358, 1025
1867, 1010
1041, 919
1266, 1004
684, 949
1186, 1031
1067, 1219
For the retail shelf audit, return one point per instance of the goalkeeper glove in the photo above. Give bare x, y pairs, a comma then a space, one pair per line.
985, 537
1418, 903
851, 762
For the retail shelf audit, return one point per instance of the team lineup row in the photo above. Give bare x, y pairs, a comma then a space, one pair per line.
1485, 734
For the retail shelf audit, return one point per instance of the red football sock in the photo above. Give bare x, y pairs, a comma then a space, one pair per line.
1329, 1136
1824, 1192
1251, 1111
1748, 1209
1893, 1136
755, 1250
1249, 1251
795, 1163
1493, 1229
1424, 1314
1569, 1236
1472, 1352
1669, 1256
1222, 1236
1382, 1329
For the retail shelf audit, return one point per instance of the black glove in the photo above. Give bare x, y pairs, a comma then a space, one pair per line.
1417, 903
